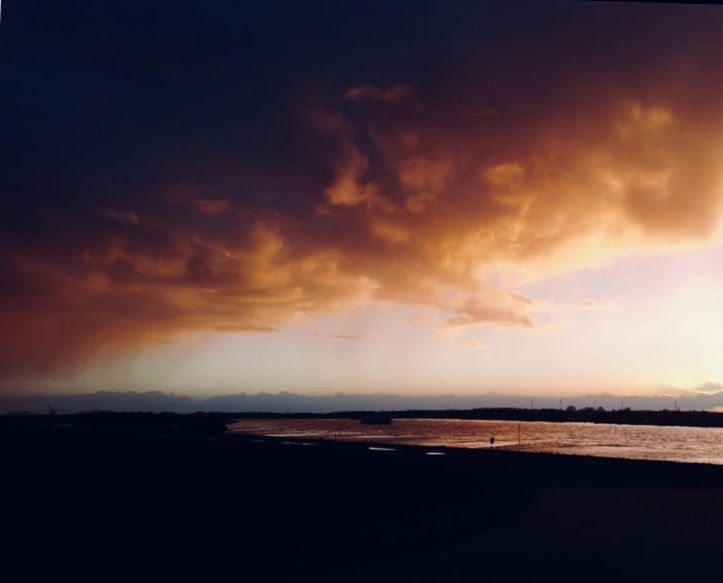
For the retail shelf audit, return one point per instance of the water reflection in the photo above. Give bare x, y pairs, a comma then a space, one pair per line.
682, 444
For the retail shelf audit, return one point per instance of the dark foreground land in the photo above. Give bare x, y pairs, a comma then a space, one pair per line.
161, 497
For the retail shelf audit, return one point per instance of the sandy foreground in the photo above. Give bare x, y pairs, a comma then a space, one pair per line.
586, 534
158, 499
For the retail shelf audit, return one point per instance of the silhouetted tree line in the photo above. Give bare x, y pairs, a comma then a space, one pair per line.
570, 414
216, 422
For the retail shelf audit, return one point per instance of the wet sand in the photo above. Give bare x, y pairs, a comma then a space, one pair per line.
169, 498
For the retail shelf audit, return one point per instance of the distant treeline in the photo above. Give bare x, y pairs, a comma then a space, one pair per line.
710, 399
570, 414
173, 422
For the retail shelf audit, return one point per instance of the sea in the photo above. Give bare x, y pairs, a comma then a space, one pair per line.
650, 442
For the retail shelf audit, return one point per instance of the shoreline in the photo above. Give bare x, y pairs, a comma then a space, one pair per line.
646, 443
216, 426
567, 466
172, 499
653, 418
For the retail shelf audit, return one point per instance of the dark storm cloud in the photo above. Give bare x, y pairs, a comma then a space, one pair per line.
179, 166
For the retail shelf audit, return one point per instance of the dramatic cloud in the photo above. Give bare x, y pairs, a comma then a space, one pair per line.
395, 94
258, 178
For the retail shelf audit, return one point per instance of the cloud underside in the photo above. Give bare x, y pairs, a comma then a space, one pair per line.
405, 193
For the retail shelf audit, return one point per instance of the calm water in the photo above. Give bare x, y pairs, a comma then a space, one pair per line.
680, 444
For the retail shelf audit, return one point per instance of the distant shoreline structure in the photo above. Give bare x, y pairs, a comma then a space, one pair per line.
569, 415
707, 398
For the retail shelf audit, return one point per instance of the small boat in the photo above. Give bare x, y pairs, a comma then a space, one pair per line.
376, 420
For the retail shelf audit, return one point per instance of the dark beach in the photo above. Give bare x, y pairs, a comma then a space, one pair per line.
156, 497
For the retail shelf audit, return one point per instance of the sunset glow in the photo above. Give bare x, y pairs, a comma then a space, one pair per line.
426, 201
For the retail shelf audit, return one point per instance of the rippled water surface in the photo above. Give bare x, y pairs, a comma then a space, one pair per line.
681, 444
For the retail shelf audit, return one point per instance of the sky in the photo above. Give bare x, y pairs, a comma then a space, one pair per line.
407, 197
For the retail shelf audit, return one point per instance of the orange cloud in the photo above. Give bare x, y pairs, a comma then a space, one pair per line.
390, 232
513, 310
350, 189
212, 206
406, 204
